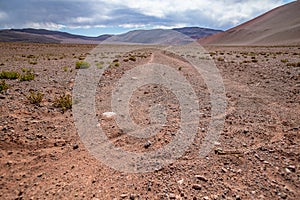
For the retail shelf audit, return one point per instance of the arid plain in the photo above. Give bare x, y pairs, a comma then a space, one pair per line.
256, 156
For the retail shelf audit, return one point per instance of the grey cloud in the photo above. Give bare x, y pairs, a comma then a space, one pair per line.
75, 13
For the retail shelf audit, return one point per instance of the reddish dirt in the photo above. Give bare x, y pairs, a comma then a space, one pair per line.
257, 157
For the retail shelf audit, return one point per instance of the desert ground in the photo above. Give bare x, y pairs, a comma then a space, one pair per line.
256, 157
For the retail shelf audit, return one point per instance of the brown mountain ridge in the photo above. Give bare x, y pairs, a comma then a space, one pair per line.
280, 26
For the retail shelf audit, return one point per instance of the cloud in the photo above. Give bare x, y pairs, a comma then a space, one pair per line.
3, 15
49, 26
57, 14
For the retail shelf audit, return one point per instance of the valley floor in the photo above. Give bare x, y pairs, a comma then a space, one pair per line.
256, 157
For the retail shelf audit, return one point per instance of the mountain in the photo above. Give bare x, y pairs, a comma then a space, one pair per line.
196, 32
154, 36
139, 36
17, 36
176, 36
280, 26
46, 36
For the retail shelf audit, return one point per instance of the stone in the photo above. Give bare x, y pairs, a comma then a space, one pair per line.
147, 144
172, 196
75, 146
196, 187
202, 178
224, 170
109, 115
180, 181
292, 168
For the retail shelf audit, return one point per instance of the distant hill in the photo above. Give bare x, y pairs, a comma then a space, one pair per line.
17, 36
196, 32
154, 36
138, 36
175, 36
46, 36
280, 26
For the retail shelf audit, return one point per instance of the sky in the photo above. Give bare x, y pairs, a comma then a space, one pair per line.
96, 17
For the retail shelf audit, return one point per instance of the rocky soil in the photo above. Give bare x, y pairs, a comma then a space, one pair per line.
256, 157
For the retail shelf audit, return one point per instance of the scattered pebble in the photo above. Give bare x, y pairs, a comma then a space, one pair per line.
180, 181
224, 170
147, 144
123, 196
196, 187
292, 168
202, 178
109, 115
172, 196
75, 146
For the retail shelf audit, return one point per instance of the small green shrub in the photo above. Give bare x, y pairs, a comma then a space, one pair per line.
284, 60
212, 53
33, 62
99, 65
64, 102
35, 97
294, 64
30, 56
116, 64
132, 58
246, 61
66, 68
220, 59
28, 75
3, 86
9, 75
82, 65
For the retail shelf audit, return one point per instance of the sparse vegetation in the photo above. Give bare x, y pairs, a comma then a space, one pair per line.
246, 61
99, 65
294, 64
35, 97
9, 75
28, 75
3, 86
212, 53
284, 60
117, 64
132, 58
82, 65
65, 68
30, 56
33, 62
64, 102
220, 59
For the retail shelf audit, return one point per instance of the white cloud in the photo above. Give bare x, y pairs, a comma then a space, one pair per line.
132, 26
169, 27
48, 25
3, 15
222, 12
131, 14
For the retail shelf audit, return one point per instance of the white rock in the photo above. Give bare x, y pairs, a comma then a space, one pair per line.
109, 114
180, 181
